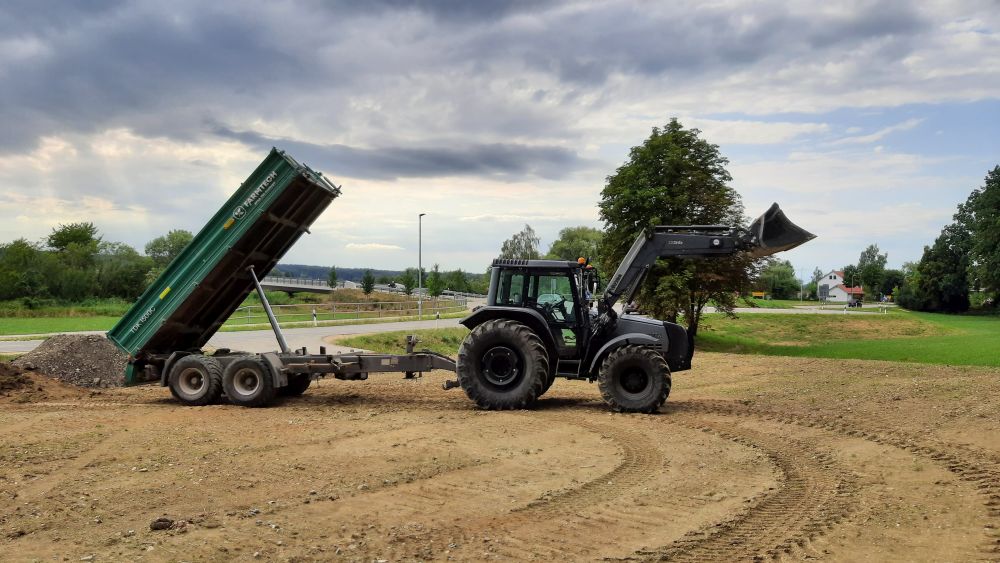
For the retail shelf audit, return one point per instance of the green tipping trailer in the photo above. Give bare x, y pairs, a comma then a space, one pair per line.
209, 280
165, 329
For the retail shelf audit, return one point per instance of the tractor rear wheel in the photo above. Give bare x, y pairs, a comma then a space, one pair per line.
297, 385
196, 380
634, 379
502, 364
248, 382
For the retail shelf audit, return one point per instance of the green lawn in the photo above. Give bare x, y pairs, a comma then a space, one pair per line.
441, 340
42, 325
901, 336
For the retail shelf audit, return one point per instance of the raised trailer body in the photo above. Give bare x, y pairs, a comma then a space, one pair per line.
164, 331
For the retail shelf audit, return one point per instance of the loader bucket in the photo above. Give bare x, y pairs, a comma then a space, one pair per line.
772, 232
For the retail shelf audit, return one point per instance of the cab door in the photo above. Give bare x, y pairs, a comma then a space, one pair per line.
553, 295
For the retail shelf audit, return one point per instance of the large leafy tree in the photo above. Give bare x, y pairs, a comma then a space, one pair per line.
576, 242
676, 178
164, 249
80, 234
456, 280
523, 245
940, 281
332, 277
980, 217
871, 269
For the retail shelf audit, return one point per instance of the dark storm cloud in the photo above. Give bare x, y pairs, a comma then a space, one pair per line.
500, 160
167, 69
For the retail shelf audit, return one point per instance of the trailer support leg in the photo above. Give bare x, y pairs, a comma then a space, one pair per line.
270, 314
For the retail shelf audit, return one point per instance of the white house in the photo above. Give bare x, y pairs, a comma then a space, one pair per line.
831, 287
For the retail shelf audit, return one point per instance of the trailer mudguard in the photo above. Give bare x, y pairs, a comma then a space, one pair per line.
617, 342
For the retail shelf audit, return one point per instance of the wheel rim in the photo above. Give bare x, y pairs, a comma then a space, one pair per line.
192, 381
501, 366
246, 381
634, 382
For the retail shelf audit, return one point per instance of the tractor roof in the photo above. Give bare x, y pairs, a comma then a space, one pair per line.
540, 264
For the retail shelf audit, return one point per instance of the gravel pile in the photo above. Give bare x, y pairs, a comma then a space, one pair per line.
84, 360
12, 378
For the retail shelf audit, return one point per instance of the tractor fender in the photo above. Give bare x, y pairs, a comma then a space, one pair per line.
619, 341
528, 317
168, 365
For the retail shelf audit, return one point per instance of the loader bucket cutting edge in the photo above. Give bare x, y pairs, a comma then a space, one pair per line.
772, 232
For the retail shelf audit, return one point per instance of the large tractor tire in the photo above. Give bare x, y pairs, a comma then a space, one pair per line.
634, 379
196, 380
248, 382
297, 385
549, 380
502, 364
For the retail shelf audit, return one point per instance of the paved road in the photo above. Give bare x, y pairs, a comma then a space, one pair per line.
804, 310
264, 341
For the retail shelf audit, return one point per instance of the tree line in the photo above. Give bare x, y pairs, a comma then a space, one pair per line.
75, 263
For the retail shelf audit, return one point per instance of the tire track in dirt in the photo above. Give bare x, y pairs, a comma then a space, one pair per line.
814, 494
595, 502
970, 464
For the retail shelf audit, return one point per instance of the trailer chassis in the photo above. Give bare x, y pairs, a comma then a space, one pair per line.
253, 380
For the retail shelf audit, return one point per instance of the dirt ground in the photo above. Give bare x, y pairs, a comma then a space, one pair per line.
753, 458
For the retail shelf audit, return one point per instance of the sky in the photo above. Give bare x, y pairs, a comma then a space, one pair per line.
868, 122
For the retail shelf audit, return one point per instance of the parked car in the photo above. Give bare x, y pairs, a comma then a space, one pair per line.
854, 303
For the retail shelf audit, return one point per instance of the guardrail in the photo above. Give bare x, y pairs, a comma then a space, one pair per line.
316, 312
296, 281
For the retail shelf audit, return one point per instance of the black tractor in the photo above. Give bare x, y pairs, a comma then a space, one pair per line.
543, 321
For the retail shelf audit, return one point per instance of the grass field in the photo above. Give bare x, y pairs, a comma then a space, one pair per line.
43, 325
903, 336
441, 340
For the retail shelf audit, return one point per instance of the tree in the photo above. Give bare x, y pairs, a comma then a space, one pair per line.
778, 279
332, 278
852, 275
435, 282
576, 242
121, 271
164, 249
523, 245
676, 178
979, 216
368, 282
383, 280
940, 281
871, 269
891, 280
409, 280
81, 234
456, 280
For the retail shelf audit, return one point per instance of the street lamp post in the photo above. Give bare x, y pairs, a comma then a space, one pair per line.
420, 266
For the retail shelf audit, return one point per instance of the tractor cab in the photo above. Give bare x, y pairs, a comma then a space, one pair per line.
555, 289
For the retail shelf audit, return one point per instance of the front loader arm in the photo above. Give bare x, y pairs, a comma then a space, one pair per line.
772, 232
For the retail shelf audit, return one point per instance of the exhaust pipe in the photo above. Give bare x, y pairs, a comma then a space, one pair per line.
772, 232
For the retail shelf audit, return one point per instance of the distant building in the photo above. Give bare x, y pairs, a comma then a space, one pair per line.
831, 287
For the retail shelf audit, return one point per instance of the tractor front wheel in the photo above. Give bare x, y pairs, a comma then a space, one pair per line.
634, 379
502, 364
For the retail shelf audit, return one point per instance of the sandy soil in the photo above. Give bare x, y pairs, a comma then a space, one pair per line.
754, 457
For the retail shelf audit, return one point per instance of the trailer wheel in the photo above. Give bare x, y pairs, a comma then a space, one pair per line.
634, 379
248, 382
297, 385
196, 380
502, 364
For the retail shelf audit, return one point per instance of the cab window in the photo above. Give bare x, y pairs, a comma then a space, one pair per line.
511, 290
552, 294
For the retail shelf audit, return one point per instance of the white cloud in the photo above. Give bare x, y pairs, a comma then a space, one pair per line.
371, 246
880, 134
